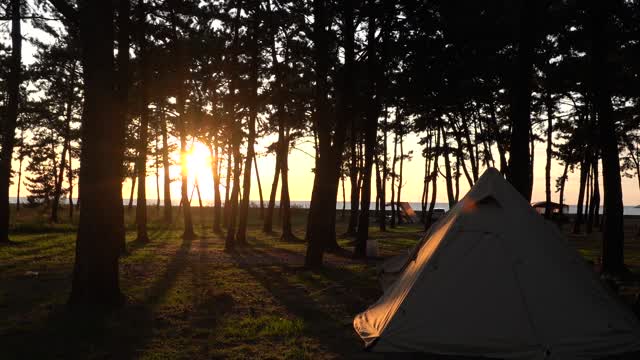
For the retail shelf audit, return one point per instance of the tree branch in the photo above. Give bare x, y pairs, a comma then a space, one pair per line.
69, 12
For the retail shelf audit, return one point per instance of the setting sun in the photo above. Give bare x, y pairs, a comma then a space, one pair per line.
199, 160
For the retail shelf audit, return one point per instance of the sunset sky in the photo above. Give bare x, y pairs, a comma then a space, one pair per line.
301, 176
301, 163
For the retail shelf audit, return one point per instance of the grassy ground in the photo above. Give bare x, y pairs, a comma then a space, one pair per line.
191, 300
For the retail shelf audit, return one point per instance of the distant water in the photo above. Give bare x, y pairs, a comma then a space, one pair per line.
628, 210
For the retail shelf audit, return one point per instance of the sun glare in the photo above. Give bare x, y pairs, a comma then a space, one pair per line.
198, 160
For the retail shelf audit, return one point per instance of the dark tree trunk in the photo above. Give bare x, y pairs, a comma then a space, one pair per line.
10, 117
563, 181
321, 228
434, 179
425, 184
400, 179
217, 201
382, 216
141, 203
227, 189
285, 201
596, 192
123, 80
370, 133
592, 202
460, 152
134, 180
343, 212
19, 184
55, 204
519, 161
457, 181
268, 219
101, 227
532, 155
547, 168
241, 235
447, 169
255, 166
584, 171
236, 139
70, 177
376, 164
613, 234
469, 145
157, 169
353, 178
188, 233
504, 167
394, 208
167, 216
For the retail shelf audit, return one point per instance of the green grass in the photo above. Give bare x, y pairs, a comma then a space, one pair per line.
190, 300
186, 300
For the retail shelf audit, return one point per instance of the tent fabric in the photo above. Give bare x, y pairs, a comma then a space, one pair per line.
494, 279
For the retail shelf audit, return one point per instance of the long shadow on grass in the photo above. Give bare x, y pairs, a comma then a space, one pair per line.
156, 236
326, 310
120, 334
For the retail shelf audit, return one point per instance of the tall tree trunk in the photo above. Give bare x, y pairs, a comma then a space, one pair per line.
587, 198
19, 184
167, 211
285, 201
382, 216
134, 180
519, 161
613, 234
143, 138
321, 228
592, 201
196, 186
394, 208
267, 227
456, 178
57, 193
353, 177
344, 201
157, 169
70, 177
547, 168
495, 129
584, 171
236, 139
563, 181
65, 149
10, 117
188, 233
376, 164
596, 191
98, 244
227, 189
400, 179
425, 184
123, 82
241, 235
370, 133
447, 169
217, 201
255, 166
434, 179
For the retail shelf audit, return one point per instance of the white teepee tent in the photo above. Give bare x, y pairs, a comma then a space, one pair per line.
494, 279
